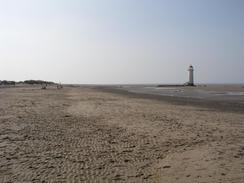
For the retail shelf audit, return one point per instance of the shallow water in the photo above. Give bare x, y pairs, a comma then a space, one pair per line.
212, 92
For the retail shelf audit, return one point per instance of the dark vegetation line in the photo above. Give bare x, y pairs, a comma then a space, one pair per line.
5, 82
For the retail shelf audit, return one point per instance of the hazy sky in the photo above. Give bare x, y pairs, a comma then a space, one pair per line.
122, 41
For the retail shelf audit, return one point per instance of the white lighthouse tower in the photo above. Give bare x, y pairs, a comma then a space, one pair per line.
191, 80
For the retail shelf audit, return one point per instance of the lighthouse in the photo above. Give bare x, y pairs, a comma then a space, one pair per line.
191, 80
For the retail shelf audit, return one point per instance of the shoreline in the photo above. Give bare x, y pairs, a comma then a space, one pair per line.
223, 106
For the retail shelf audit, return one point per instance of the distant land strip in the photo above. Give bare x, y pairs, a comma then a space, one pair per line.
5, 82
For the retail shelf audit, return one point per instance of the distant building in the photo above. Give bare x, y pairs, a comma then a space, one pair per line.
191, 76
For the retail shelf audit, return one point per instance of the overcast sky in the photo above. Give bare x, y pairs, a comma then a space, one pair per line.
122, 41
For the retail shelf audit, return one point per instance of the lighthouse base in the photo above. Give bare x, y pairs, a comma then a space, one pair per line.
189, 84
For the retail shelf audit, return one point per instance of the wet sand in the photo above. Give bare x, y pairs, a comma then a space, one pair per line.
94, 134
215, 98
227, 93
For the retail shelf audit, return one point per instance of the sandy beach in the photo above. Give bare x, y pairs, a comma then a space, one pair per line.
89, 134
